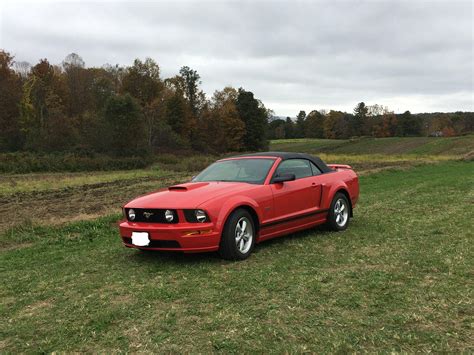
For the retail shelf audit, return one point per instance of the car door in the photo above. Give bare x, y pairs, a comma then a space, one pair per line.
298, 196
317, 183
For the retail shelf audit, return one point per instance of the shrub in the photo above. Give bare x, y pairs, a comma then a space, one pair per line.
27, 162
191, 163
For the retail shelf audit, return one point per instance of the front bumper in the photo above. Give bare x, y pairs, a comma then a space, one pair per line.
185, 237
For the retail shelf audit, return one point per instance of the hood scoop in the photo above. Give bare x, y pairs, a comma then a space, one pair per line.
178, 188
188, 186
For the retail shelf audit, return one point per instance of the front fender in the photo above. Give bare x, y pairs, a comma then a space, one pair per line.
221, 210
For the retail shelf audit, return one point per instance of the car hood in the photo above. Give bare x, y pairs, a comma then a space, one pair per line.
187, 196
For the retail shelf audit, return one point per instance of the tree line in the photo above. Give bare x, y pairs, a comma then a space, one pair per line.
374, 120
123, 111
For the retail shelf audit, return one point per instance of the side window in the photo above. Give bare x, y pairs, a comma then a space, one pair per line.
315, 169
300, 167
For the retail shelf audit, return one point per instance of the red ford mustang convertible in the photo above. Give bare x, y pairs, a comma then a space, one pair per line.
239, 201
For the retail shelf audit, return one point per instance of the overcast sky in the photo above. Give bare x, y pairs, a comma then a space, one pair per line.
294, 55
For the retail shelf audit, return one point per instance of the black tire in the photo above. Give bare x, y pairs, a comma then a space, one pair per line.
339, 221
229, 248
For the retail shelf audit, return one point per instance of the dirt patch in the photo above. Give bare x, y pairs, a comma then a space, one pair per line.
365, 172
3, 345
76, 203
35, 308
368, 168
16, 246
469, 156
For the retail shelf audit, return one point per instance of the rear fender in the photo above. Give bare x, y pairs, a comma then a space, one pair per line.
330, 191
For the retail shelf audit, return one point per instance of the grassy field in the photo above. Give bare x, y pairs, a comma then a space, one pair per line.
399, 279
453, 146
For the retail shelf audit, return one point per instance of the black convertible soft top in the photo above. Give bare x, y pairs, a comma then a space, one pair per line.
288, 155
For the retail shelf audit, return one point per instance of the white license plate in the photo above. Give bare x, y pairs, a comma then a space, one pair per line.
140, 239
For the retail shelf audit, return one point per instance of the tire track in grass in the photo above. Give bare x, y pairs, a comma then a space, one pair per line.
77, 202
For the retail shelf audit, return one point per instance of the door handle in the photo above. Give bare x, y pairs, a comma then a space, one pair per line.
314, 184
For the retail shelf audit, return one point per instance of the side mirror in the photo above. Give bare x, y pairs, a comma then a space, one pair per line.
283, 178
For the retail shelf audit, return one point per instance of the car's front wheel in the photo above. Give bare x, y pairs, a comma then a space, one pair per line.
339, 213
238, 237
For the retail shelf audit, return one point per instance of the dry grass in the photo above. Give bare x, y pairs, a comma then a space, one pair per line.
36, 182
452, 146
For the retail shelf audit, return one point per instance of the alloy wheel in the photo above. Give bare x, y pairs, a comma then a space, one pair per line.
341, 212
243, 235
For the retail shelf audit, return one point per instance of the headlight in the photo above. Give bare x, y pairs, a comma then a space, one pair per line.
201, 216
131, 214
169, 216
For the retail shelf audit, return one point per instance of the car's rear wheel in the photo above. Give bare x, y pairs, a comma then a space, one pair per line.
238, 237
339, 212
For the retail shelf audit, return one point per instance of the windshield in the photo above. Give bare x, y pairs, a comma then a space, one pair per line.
253, 171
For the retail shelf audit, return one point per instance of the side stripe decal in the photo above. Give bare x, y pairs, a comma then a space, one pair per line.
290, 219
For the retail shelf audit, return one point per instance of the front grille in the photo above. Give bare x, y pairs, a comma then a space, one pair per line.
151, 215
156, 243
190, 216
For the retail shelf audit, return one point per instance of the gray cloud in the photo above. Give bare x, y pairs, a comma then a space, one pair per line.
293, 55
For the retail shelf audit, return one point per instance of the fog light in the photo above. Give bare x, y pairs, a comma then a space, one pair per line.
131, 214
169, 215
201, 216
